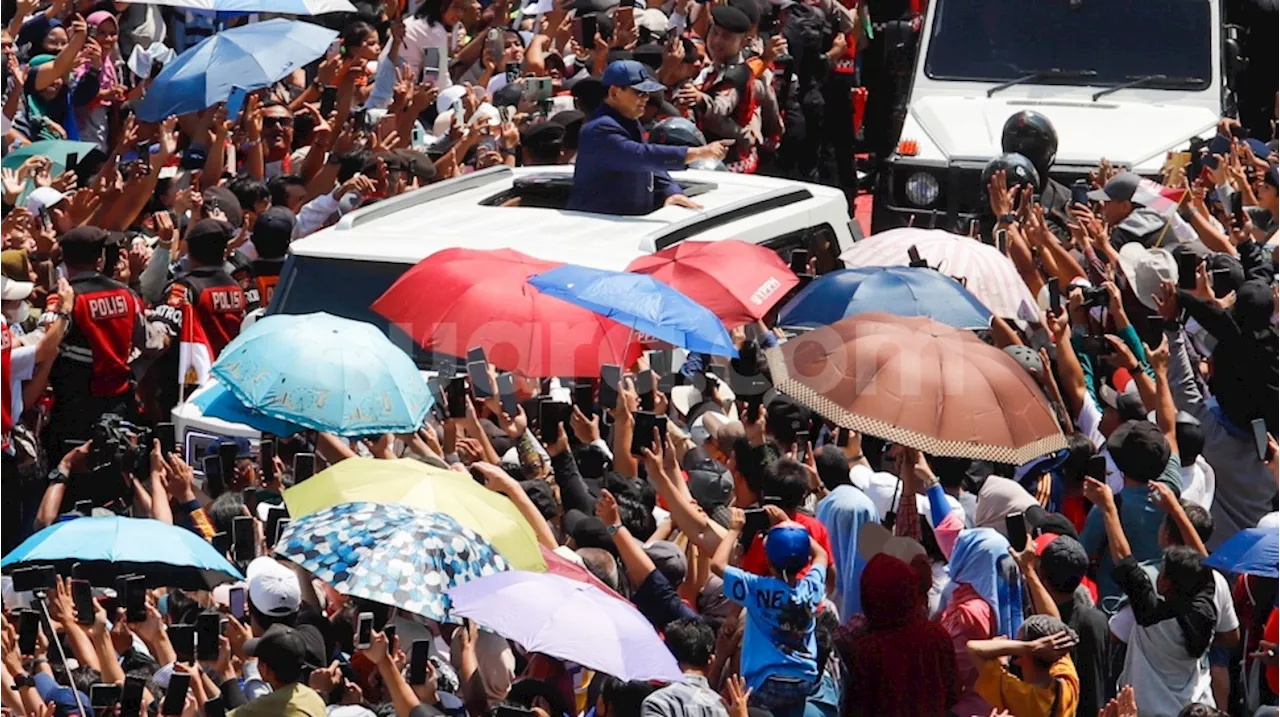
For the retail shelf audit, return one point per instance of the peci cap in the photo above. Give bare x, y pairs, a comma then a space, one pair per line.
630, 73
1139, 450
1119, 188
731, 19
273, 588
545, 135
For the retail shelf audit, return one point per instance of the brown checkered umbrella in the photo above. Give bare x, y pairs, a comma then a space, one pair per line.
920, 383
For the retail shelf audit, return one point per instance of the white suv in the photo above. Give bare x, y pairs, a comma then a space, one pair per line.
343, 269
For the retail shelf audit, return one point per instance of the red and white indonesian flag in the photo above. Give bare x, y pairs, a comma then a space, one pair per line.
195, 354
1158, 197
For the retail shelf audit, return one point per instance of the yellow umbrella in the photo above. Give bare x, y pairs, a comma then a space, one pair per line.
418, 485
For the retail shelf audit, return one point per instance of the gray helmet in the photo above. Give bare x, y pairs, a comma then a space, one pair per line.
1018, 170
677, 131
709, 165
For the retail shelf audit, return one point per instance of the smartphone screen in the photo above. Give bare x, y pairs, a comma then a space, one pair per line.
757, 521
132, 590
802, 446
389, 630
235, 600
131, 696
646, 384
304, 466
221, 542
208, 630
642, 435
364, 631
28, 631
507, 392
550, 417
274, 516
280, 528
235, 103
430, 64
1002, 240
213, 476
842, 437
660, 363
1080, 193
103, 696
418, 662
227, 454
244, 541
800, 261
584, 392
457, 397
1016, 527
1055, 297
175, 697
328, 100
1237, 209
1260, 437
82, 598
166, 434
589, 31
73, 159
481, 385
250, 497
610, 378
183, 639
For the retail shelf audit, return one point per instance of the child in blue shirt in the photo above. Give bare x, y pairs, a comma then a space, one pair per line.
779, 646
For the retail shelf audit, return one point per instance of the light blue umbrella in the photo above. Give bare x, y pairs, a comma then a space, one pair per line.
218, 402
324, 372
897, 290
251, 56
106, 548
641, 302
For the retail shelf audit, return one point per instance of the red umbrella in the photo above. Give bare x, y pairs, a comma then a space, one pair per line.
738, 281
457, 299
566, 568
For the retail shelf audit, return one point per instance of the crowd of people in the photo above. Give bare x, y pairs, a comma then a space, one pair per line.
790, 565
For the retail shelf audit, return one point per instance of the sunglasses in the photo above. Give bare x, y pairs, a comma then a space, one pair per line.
277, 121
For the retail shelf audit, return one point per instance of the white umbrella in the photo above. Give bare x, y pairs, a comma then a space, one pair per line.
279, 7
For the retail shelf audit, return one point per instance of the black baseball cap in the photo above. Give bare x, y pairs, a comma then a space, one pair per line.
730, 18
1139, 450
287, 650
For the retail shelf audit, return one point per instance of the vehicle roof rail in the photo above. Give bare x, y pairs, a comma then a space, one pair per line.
429, 193
681, 230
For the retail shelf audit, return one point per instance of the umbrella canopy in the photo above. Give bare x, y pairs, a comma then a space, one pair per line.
984, 271
919, 383
55, 149
106, 548
250, 56
392, 554
569, 620
1252, 551
324, 372
737, 280
481, 298
641, 302
417, 485
898, 290
218, 402
565, 568
282, 7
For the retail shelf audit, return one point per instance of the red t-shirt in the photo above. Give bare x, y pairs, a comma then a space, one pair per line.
755, 561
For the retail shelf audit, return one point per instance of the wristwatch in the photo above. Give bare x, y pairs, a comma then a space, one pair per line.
1008, 219
23, 680
612, 530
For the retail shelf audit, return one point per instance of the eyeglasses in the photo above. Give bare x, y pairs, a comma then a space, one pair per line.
277, 121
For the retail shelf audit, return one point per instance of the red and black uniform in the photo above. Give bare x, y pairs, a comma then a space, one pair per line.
258, 281
92, 375
217, 303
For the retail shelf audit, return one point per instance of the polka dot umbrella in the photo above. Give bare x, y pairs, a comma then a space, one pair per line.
391, 554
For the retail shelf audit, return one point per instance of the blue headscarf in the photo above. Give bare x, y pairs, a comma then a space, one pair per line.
981, 560
843, 513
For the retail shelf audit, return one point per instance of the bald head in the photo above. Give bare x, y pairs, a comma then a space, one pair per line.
723, 432
602, 565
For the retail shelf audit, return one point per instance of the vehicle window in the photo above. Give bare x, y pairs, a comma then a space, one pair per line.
551, 191
997, 40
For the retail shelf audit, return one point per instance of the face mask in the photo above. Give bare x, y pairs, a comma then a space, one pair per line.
18, 314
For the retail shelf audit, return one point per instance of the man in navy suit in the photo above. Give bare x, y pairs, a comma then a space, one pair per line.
617, 171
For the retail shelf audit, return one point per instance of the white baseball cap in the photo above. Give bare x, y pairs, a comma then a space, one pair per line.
43, 198
273, 588
11, 290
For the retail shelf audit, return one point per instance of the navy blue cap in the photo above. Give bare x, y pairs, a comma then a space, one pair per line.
629, 73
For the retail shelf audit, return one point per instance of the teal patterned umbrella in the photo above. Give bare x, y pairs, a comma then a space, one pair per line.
391, 554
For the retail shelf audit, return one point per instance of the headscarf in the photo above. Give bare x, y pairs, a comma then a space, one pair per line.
843, 513
36, 107
107, 77
998, 498
35, 31
981, 560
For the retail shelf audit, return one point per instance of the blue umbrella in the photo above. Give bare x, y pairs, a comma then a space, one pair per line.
218, 402
324, 372
393, 554
106, 548
898, 290
641, 302
250, 56
283, 7
1252, 551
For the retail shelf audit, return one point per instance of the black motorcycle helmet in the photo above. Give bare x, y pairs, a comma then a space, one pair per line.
677, 131
1018, 171
1031, 135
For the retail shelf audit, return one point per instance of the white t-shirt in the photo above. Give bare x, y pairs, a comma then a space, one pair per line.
1227, 619
1199, 483
1087, 423
419, 34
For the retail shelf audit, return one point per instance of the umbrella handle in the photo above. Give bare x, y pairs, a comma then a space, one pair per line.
62, 654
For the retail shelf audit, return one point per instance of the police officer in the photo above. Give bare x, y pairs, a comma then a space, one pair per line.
728, 105
91, 375
272, 232
1032, 135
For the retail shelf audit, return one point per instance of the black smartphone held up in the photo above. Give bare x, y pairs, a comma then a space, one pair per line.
418, 662
757, 521
1016, 526
134, 588
280, 527
1002, 241
104, 696
166, 434
82, 598
1237, 209
73, 158
175, 697
610, 380
221, 542
457, 397
1080, 192
131, 696
842, 437
235, 600
250, 497
584, 396
328, 100
271, 528
244, 540
267, 458
800, 261
208, 630
642, 433
227, 454
481, 385
28, 631
646, 385
1260, 437
364, 631
1055, 297
304, 466
551, 415
802, 446
660, 362
389, 631
589, 31
213, 476
183, 639
37, 577
512, 72
507, 393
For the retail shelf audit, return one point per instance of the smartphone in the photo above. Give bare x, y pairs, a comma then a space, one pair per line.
800, 261
28, 631
660, 363
430, 65
646, 384
1080, 192
250, 497
610, 379
213, 476
304, 466
82, 598
227, 454
551, 415
328, 100
512, 72
1055, 297
280, 527
364, 631
1016, 527
507, 392
208, 630
418, 662
183, 639
132, 592
244, 540
274, 516
235, 600
589, 31
457, 397
1260, 437
660, 423
757, 521
73, 159
1002, 240
221, 542
842, 437
537, 89
459, 113
481, 384
624, 16
175, 697
584, 392
167, 435
84, 507
389, 630
39, 577
131, 696
235, 103
103, 696
802, 446
642, 433
1237, 209
493, 44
